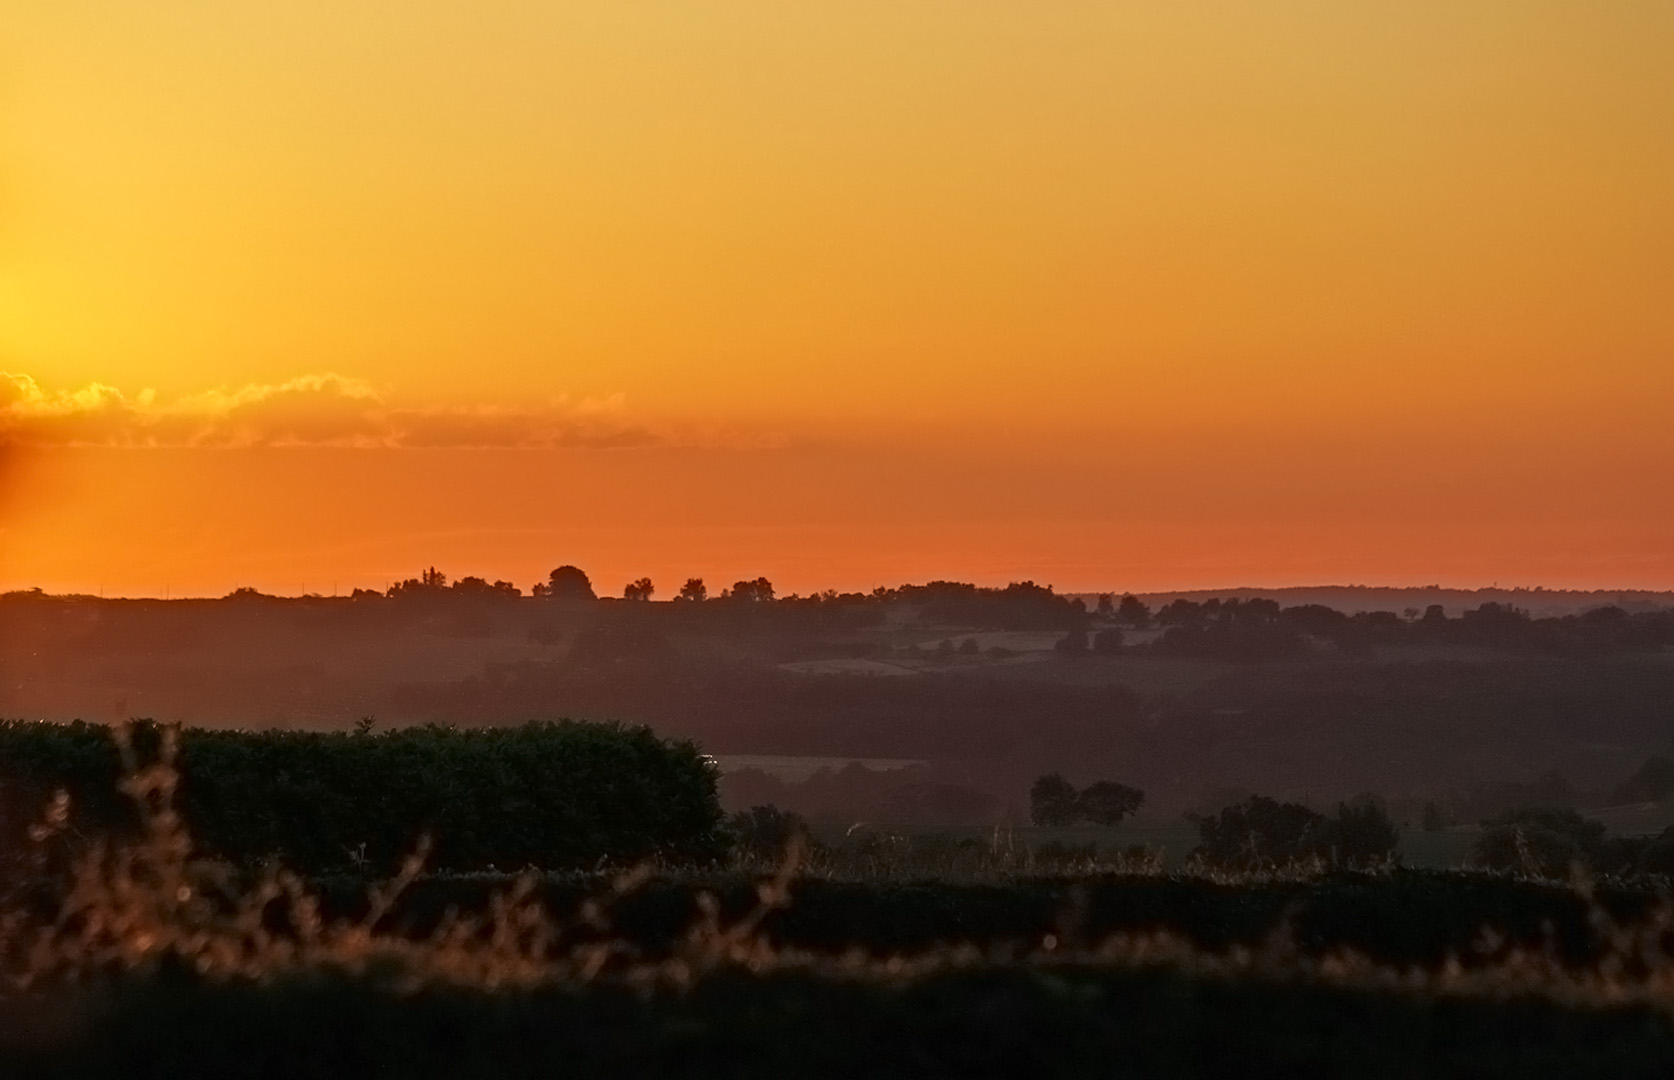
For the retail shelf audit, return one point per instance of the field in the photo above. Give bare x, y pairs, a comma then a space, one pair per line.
980, 695
152, 960
584, 906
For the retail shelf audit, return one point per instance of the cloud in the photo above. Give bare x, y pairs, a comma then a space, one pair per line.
310, 410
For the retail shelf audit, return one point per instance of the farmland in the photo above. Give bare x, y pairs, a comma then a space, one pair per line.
157, 959
373, 861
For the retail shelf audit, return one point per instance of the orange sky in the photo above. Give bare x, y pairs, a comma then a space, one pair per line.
1108, 295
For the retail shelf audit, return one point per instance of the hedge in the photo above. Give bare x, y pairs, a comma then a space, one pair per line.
546, 794
1400, 919
1000, 1022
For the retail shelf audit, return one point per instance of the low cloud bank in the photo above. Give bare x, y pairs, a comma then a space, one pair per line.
311, 410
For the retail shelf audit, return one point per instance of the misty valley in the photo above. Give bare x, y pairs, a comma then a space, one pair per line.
932, 705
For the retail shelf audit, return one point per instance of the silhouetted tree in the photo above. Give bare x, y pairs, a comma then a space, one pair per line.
1107, 802
1107, 605
1183, 612
766, 831
694, 590
1133, 612
969, 647
758, 591
476, 586
569, 583
1052, 801
1361, 835
1108, 640
638, 590
1022, 605
1256, 833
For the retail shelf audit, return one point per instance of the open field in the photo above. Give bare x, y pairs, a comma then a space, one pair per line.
1404, 714
946, 956
929, 923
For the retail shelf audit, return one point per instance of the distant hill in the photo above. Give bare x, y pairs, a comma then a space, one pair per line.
1353, 598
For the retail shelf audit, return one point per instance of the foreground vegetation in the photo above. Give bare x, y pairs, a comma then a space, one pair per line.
149, 959
327, 801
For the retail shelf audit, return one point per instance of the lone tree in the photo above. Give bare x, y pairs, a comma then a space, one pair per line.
694, 590
1107, 802
1133, 612
638, 590
1052, 801
569, 583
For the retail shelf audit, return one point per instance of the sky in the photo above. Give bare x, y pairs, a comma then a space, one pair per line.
1135, 295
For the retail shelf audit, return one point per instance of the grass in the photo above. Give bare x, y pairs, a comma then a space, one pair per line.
108, 940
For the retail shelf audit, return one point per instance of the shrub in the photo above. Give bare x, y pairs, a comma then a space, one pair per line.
550, 794
1262, 832
766, 831
1544, 841
1054, 802
1107, 802
1257, 833
1361, 835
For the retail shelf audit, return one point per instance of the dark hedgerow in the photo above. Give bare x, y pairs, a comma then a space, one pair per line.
546, 794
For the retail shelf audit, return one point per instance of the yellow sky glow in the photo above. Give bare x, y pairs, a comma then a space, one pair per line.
1401, 271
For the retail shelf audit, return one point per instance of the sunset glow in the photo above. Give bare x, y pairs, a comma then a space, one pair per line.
1144, 296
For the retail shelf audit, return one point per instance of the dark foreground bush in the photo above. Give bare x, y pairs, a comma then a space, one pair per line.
156, 964
550, 795
998, 1021
1260, 833
1404, 918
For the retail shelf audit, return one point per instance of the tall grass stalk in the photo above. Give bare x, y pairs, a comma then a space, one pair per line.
156, 907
